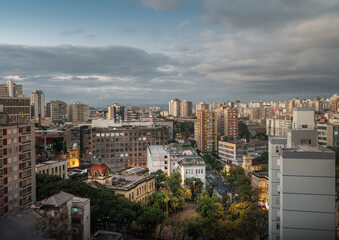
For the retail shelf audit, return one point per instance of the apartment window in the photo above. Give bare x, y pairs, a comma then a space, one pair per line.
278, 162
278, 175
304, 126
278, 215
278, 189
278, 226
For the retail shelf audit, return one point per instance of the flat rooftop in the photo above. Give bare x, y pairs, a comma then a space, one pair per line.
157, 150
124, 182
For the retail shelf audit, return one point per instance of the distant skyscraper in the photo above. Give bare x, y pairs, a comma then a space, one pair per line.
206, 131
186, 109
77, 113
57, 111
37, 98
301, 183
10, 89
174, 107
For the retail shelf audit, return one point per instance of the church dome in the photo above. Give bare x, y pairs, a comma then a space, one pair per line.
102, 169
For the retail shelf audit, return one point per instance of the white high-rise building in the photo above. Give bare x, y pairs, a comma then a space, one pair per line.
10, 89
186, 108
174, 107
301, 183
277, 126
37, 98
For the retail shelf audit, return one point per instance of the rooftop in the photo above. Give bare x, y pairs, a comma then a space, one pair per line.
192, 161
106, 235
124, 182
134, 171
58, 199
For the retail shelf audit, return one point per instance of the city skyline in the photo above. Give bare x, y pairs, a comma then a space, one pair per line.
146, 52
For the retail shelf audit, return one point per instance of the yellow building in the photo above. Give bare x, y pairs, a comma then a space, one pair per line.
259, 181
135, 188
134, 183
73, 156
249, 165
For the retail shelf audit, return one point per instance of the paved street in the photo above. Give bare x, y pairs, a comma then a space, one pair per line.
214, 178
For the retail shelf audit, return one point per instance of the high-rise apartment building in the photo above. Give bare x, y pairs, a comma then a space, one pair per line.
220, 120
122, 147
37, 99
116, 113
301, 183
277, 126
231, 122
206, 131
17, 165
186, 108
201, 106
57, 111
10, 89
77, 113
174, 107
260, 113
328, 134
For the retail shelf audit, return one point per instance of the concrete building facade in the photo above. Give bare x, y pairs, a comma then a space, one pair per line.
277, 126
328, 134
186, 108
122, 147
57, 111
233, 151
302, 183
53, 167
10, 89
37, 99
174, 107
77, 113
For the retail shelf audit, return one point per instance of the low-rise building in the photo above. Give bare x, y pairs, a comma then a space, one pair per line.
233, 151
259, 180
53, 167
58, 209
73, 156
249, 165
132, 183
192, 167
81, 218
166, 157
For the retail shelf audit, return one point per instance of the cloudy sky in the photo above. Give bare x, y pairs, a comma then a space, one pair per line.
150, 51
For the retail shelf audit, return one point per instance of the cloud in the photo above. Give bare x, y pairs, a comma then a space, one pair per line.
72, 32
162, 5
263, 14
127, 28
182, 24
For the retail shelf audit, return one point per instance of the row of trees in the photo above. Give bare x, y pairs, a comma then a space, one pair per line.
212, 162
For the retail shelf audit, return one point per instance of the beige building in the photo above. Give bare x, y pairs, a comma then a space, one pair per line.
259, 180
77, 113
37, 99
206, 131
328, 134
201, 106
278, 126
10, 89
134, 183
52, 167
57, 111
233, 151
186, 108
249, 165
174, 107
